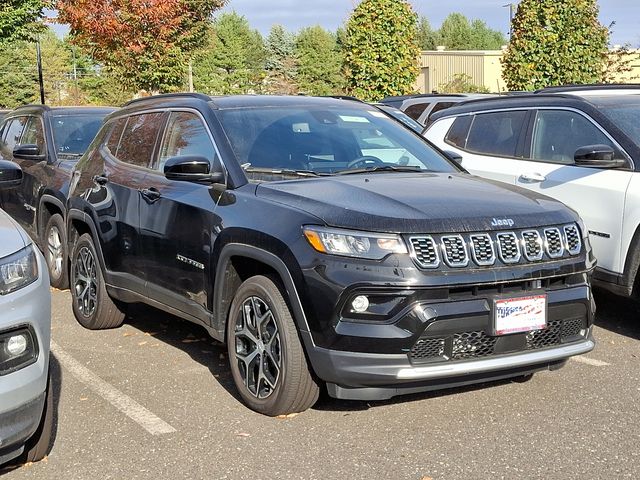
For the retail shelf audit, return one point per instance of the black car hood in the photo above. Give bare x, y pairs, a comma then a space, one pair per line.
417, 203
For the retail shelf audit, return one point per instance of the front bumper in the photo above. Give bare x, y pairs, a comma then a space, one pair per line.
17, 426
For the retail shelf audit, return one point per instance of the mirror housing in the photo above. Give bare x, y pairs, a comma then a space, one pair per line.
191, 168
597, 156
10, 174
456, 158
27, 151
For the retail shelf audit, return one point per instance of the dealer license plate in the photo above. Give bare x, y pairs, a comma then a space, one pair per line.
521, 314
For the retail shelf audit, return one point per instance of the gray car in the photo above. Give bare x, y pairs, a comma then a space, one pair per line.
26, 400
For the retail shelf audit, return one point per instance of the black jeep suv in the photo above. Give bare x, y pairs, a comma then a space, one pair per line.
46, 143
324, 243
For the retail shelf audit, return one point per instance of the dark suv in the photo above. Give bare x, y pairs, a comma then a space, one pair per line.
323, 242
46, 143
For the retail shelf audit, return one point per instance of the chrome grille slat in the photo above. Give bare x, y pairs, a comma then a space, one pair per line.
482, 249
508, 247
454, 251
572, 236
532, 245
553, 242
425, 251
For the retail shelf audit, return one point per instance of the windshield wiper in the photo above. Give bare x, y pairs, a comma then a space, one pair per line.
382, 168
286, 171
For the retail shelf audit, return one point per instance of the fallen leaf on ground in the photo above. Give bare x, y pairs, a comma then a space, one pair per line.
128, 334
288, 415
142, 343
242, 434
82, 399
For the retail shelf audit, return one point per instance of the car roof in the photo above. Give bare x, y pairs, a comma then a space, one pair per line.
239, 101
62, 110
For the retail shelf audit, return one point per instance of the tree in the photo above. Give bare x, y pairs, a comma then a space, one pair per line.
457, 33
281, 63
427, 38
19, 79
233, 62
381, 53
319, 62
555, 43
462, 83
146, 43
18, 19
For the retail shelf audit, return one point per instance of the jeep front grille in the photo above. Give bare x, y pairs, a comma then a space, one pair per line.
455, 251
425, 252
574, 243
484, 249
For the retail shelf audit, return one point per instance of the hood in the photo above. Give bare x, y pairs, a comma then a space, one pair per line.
11, 237
417, 203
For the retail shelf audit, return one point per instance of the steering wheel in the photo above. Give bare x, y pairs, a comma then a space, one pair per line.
365, 161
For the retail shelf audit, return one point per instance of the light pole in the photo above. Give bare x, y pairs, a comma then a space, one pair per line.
39, 62
510, 5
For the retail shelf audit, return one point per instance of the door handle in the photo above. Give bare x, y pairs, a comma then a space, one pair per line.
151, 194
100, 179
533, 177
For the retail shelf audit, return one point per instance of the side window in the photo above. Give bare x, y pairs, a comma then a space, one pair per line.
496, 133
415, 110
557, 134
186, 135
440, 106
113, 139
139, 139
12, 133
34, 133
457, 134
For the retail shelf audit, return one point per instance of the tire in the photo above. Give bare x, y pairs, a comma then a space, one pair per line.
39, 445
55, 252
263, 342
91, 304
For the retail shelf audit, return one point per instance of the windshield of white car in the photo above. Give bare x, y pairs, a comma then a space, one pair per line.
327, 140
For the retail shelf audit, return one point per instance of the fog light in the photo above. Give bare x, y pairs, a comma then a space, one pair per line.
360, 304
17, 345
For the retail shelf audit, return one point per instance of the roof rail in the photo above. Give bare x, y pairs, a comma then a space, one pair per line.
343, 97
591, 86
200, 96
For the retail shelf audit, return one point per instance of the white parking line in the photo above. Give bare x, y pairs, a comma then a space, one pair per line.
590, 361
132, 409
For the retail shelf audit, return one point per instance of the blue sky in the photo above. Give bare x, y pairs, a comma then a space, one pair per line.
294, 14
330, 14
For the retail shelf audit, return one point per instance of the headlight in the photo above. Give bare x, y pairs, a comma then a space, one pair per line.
348, 243
18, 270
18, 349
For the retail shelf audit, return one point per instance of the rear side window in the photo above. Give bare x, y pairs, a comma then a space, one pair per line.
496, 133
113, 140
138, 140
457, 134
415, 110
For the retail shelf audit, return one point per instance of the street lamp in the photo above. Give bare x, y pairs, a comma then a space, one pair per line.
511, 8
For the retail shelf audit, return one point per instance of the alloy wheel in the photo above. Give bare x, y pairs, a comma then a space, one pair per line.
55, 251
258, 347
85, 282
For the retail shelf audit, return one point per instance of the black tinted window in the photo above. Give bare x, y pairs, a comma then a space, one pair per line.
558, 134
113, 139
72, 134
12, 133
457, 134
440, 106
33, 133
496, 133
186, 135
139, 139
415, 110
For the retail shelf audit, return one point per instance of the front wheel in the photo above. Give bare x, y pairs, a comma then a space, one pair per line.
39, 445
55, 251
91, 304
267, 360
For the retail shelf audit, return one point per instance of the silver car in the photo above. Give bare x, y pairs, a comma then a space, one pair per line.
26, 400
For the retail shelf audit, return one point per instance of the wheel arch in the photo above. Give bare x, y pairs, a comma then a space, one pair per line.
630, 278
240, 261
79, 223
48, 207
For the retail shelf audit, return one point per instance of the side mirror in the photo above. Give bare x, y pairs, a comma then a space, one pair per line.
456, 158
191, 168
600, 156
27, 151
10, 174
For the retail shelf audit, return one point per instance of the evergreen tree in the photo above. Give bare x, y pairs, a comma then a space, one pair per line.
319, 62
555, 43
281, 64
427, 38
381, 53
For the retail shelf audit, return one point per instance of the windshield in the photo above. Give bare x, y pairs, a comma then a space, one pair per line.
625, 114
72, 134
324, 141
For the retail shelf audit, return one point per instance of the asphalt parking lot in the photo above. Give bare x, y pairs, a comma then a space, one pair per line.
154, 399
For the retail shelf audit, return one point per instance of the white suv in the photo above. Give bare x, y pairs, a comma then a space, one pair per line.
580, 145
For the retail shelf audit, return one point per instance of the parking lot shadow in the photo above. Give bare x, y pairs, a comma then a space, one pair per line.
617, 314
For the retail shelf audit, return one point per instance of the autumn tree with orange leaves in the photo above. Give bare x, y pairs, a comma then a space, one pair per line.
145, 43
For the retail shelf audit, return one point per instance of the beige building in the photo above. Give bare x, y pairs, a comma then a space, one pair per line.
438, 67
